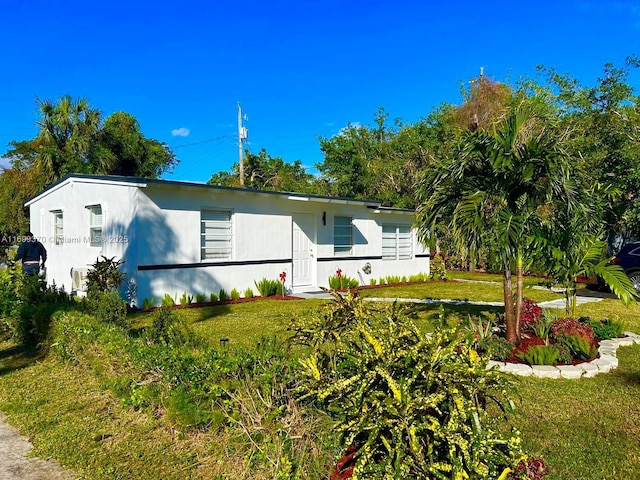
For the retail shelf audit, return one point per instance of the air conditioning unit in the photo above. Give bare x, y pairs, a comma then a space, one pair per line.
79, 276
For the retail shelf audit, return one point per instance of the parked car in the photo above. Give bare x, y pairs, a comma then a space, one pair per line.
629, 259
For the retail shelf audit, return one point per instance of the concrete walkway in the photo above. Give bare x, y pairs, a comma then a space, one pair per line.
14, 461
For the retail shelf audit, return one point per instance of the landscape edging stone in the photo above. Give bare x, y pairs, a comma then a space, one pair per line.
606, 362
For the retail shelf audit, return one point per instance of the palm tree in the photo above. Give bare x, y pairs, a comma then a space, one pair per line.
501, 184
67, 137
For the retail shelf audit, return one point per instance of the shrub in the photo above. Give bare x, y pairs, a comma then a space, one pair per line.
571, 326
108, 307
390, 279
235, 294
498, 348
267, 287
186, 299
543, 325
168, 301
531, 312
413, 405
437, 268
605, 329
248, 293
169, 328
201, 298
213, 297
540, 355
580, 347
418, 277
223, 295
373, 281
148, 303
105, 275
26, 306
338, 282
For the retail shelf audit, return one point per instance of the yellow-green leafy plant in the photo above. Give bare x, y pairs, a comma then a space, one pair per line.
186, 299
540, 355
414, 405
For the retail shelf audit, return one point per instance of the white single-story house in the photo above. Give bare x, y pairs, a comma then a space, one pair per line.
178, 237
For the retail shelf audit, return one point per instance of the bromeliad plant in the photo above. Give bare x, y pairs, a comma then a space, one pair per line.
413, 405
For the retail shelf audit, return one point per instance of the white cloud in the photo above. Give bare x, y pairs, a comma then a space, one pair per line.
354, 125
4, 163
180, 132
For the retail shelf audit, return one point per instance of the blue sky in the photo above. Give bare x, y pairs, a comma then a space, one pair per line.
300, 69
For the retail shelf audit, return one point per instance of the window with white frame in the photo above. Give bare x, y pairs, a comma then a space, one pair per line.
342, 235
95, 225
58, 231
397, 242
215, 234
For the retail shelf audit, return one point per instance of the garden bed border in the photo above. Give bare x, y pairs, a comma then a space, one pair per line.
606, 362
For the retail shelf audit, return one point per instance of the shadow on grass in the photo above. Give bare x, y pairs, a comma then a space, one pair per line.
142, 320
16, 357
630, 378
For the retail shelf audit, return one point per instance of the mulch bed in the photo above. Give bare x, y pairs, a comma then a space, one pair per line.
532, 342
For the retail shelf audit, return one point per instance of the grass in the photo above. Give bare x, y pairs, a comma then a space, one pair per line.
586, 429
529, 280
465, 291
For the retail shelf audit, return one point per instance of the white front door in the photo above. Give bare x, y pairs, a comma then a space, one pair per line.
303, 234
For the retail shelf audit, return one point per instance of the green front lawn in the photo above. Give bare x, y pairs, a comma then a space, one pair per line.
585, 429
452, 290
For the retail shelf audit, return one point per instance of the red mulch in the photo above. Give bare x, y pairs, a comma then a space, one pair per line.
532, 341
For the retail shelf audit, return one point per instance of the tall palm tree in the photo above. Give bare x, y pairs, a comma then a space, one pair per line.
501, 184
67, 137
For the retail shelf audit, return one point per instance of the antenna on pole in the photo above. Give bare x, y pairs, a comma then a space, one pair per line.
242, 135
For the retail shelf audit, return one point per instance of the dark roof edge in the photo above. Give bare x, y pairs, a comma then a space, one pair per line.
181, 183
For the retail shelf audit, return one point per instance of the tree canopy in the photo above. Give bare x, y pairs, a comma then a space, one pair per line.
74, 138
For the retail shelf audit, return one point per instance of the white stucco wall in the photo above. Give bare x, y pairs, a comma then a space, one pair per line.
155, 228
72, 198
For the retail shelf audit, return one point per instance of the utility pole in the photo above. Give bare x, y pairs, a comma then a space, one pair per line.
242, 135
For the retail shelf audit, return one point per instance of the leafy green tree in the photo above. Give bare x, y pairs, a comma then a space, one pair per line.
16, 187
73, 138
129, 152
502, 183
264, 172
601, 124
385, 162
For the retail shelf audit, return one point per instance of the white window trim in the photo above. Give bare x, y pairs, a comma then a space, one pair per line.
92, 227
350, 251
58, 238
231, 240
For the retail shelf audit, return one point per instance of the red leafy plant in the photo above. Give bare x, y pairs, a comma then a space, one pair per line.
570, 326
531, 312
531, 468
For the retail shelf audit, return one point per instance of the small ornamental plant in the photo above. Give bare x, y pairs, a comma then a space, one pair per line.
405, 404
531, 313
571, 326
283, 279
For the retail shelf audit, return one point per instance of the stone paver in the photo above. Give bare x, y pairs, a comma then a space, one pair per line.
589, 369
570, 371
545, 371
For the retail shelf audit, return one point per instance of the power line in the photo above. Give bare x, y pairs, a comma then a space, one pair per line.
209, 140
